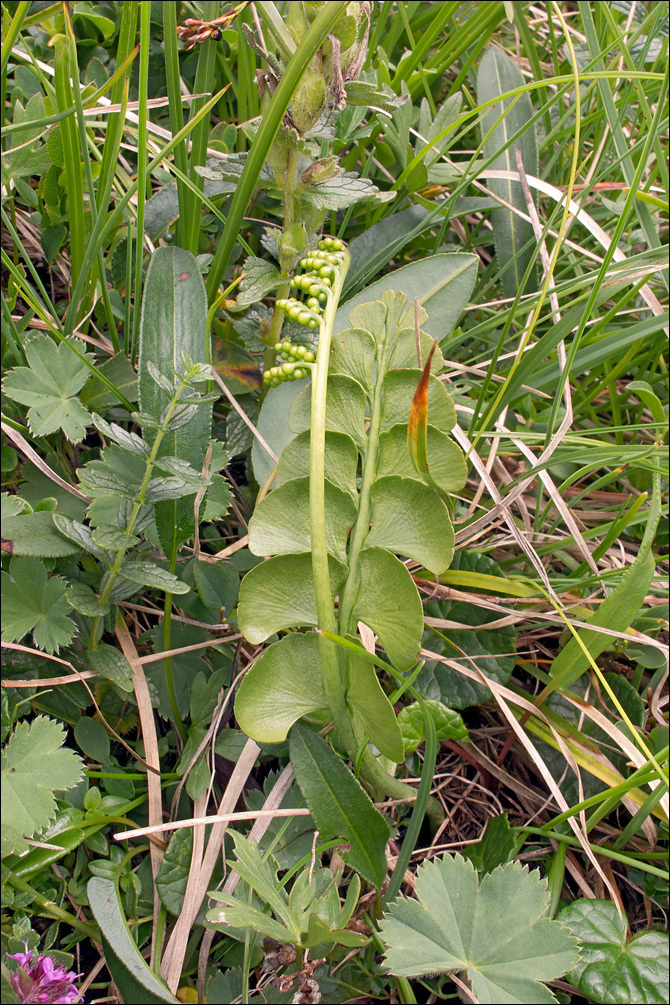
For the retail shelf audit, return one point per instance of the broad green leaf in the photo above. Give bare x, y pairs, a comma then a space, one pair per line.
36, 534
377, 245
611, 969
279, 594
128, 968
113, 538
172, 875
443, 284
343, 190
372, 710
174, 318
495, 847
353, 353
399, 389
345, 409
123, 437
389, 604
341, 461
84, 600
617, 612
218, 585
338, 804
149, 574
370, 315
111, 664
34, 763
97, 396
259, 277
491, 650
404, 346
409, 518
49, 385
92, 739
273, 425
492, 929
81, 534
31, 602
447, 464
498, 74
283, 684
448, 724
280, 524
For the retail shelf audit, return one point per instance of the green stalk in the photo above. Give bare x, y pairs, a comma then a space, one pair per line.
68, 133
330, 667
53, 910
277, 108
134, 513
11, 37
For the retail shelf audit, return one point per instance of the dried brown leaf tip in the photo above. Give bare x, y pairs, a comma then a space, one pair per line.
194, 32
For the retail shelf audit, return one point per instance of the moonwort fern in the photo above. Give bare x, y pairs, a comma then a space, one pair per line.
331, 531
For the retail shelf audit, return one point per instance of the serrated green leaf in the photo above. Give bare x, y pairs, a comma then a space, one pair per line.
389, 604
493, 930
84, 600
360, 92
174, 316
448, 724
343, 190
284, 684
341, 461
36, 534
279, 594
48, 385
338, 804
129, 970
149, 574
280, 523
409, 518
123, 437
113, 538
372, 710
498, 74
164, 488
260, 276
445, 459
31, 602
33, 765
217, 498
611, 969
345, 409
80, 534
112, 664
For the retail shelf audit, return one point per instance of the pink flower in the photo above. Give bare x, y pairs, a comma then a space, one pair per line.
40, 979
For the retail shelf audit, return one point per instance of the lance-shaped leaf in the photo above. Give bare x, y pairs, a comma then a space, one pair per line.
174, 318
409, 518
338, 804
372, 710
389, 604
498, 74
284, 684
280, 524
494, 931
279, 594
35, 534
417, 428
149, 574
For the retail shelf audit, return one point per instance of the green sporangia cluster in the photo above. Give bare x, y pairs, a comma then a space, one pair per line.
316, 282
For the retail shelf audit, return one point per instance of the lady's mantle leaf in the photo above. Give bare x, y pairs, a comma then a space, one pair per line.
49, 385
33, 765
493, 930
612, 970
30, 601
